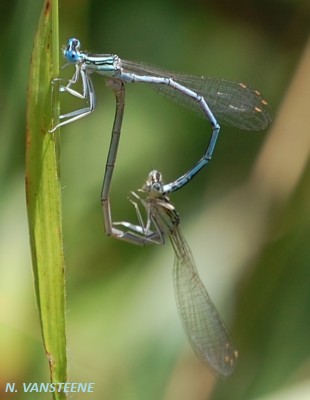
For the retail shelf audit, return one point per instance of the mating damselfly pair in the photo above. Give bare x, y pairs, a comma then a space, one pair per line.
229, 102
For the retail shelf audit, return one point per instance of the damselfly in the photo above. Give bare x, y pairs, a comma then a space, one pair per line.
228, 102
200, 319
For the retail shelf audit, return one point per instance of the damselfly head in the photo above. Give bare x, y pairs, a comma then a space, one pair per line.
154, 183
71, 52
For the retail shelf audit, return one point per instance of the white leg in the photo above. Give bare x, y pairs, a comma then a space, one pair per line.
88, 93
147, 232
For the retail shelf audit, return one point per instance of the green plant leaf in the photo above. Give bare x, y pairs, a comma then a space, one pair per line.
44, 195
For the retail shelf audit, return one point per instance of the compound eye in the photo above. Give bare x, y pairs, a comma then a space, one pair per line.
72, 55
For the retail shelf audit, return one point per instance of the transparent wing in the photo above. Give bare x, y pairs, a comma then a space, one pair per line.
201, 321
232, 103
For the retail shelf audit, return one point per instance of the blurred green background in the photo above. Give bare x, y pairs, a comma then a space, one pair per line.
246, 217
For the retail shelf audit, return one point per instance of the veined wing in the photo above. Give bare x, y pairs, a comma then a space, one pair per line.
232, 103
201, 321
